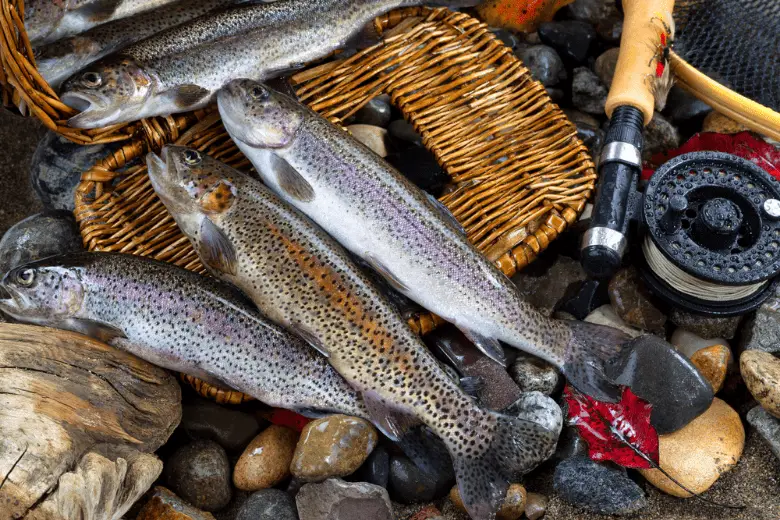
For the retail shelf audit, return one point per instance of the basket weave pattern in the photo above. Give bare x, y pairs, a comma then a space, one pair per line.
519, 173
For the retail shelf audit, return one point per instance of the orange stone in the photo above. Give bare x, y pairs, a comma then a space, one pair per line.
512, 508
164, 505
713, 362
519, 15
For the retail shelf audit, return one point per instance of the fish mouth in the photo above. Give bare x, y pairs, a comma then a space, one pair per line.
8, 303
91, 114
230, 110
158, 170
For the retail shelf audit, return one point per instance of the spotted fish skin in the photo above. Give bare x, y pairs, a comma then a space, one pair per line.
182, 70
181, 321
377, 214
300, 277
59, 60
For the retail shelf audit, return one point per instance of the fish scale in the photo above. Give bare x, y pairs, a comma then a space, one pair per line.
182, 321
301, 278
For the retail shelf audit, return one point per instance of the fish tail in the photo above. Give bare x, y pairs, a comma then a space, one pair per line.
514, 447
590, 350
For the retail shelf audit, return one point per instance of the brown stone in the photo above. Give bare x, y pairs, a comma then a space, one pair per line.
713, 363
333, 446
761, 372
717, 122
266, 460
164, 505
372, 136
512, 508
535, 506
698, 454
427, 513
632, 303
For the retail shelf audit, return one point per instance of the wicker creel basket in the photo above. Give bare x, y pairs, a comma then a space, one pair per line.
519, 173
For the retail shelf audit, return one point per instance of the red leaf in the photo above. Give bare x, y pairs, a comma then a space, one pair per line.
743, 144
610, 429
289, 419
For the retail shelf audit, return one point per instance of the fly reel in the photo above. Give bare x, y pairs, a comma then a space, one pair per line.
711, 241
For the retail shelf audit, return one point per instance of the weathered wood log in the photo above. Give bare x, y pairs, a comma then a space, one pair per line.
76, 418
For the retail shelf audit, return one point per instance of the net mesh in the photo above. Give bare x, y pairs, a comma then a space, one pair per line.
734, 42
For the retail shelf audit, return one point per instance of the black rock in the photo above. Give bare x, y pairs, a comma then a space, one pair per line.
410, 485
376, 112
768, 426
556, 94
420, 166
583, 297
592, 137
682, 106
509, 39
544, 289
660, 136
232, 429
38, 236
199, 473
611, 29
707, 327
335, 499
571, 38
592, 11
268, 504
544, 63
601, 488
404, 131
588, 92
376, 468
230, 512
605, 65
570, 444
665, 378
57, 167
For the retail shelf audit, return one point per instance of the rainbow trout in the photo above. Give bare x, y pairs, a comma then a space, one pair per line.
301, 278
144, 81
404, 234
178, 320
60, 60
48, 20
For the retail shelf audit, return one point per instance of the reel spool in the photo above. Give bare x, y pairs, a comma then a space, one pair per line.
712, 233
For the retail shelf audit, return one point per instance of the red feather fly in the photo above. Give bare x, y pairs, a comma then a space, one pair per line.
618, 432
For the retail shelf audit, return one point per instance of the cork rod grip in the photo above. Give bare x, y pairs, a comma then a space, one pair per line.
635, 70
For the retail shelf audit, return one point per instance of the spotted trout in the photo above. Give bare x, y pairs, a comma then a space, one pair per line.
404, 234
59, 60
142, 81
178, 320
48, 20
301, 278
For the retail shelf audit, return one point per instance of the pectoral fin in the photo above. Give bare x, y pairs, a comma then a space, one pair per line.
310, 338
445, 212
290, 181
187, 96
94, 329
377, 266
488, 346
216, 251
394, 423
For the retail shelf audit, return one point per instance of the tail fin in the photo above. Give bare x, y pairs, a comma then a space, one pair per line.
515, 447
591, 348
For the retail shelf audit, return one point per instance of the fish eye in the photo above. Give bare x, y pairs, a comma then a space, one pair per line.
259, 93
91, 79
25, 277
192, 157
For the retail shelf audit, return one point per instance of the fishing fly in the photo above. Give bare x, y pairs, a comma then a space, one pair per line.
662, 80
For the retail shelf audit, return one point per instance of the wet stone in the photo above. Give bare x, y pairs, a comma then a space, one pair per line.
706, 326
334, 446
372, 136
583, 297
605, 315
689, 343
592, 137
335, 499
535, 506
497, 389
199, 472
761, 372
767, 426
544, 64
509, 39
592, 11
404, 131
611, 29
232, 429
556, 94
665, 378
266, 461
660, 135
605, 65
588, 92
545, 289
632, 302
762, 331
57, 166
268, 504
572, 39
38, 236
420, 166
697, 455
570, 444
511, 509
376, 112
376, 468
713, 363
540, 409
410, 485
682, 107
534, 374
164, 505
601, 488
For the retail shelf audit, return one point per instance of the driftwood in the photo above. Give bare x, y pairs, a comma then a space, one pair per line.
78, 423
